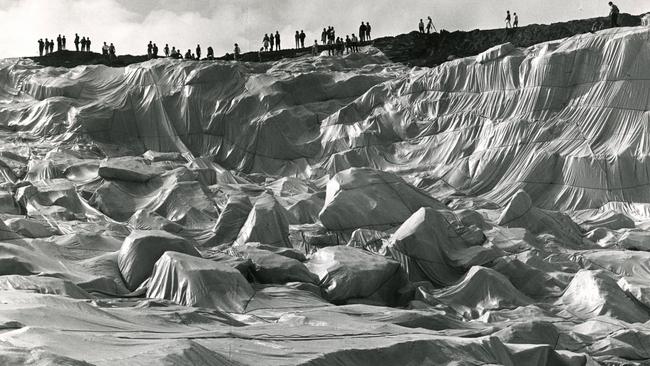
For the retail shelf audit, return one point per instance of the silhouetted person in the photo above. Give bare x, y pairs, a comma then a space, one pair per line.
111, 52
323, 36
613, 14
368, 28
277, 40
105, 50
271, 41
237, 52
51, 45
83, 44
508, 25
348, 44
421, 26
297, 37
355, 42
362, 32
314, 48
166, 49
210, 54
430, 25
198, 51
63, 42
188, 54
58, 43
149, 50
76, 42
155, 50
302, 38
265, 42
515, 22
41, 47
88, 44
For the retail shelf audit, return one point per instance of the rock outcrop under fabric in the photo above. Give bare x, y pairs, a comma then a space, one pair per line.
142, 249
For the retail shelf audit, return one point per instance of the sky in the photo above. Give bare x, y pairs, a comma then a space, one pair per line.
131, 24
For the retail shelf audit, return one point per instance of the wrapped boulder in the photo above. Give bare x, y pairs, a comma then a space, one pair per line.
433, 246
193, 281
278, 268
141, 249
268, 222
232, 219
130, 169
350, 273
369, 198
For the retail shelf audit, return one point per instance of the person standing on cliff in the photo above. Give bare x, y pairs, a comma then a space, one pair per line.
237, 52
430, 25
76, 41
41, 47
198, 51
508, 24
613, 14
515, 23
368, 31
277, 40
271, 41
362, 32
302, 38
421, 26
265, 42
63, 42
314, 48
297, 37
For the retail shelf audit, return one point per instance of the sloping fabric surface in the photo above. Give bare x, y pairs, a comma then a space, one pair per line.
491, 210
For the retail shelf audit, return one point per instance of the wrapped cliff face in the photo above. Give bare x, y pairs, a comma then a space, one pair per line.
330, 210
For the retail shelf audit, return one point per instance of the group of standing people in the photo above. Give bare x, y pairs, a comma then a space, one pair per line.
271, 41
429, 27
153, 50
364, 32
341, 46
512, 21
109, 51
47, 46
300, 39
84, 42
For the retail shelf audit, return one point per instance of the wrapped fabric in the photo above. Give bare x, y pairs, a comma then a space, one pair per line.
194, 281
432, 246
349, 273
363, 197
268, 223
141, 249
